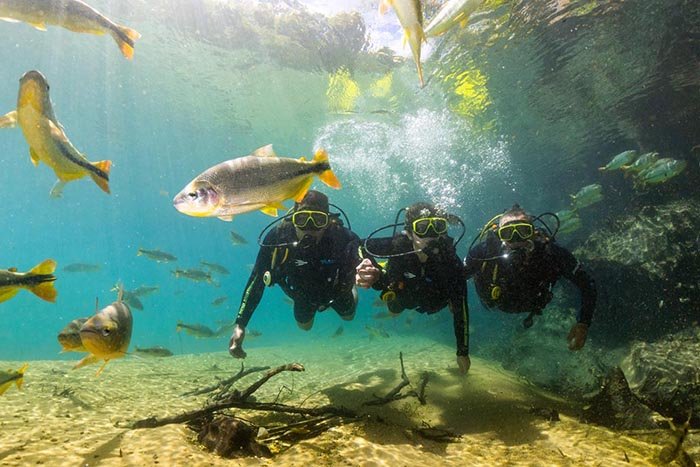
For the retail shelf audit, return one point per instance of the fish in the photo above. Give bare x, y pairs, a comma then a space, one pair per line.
47, 139
73, 15
566, 214
7, 377
338, 332
383, 315
107, 334
410, 14
196, 275
156, 351
260, 181
252, 334
130, 298
225, 328
451, 12
643, 162
213, 267
82, 267
144, 290
219, 301
619, 161
237, 239
662, 171
157, 255
39, 281
375, 332
587, 196
197, 330
69, 337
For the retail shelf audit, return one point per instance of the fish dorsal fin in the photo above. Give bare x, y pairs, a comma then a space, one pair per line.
40, 26
269, 210
265, 151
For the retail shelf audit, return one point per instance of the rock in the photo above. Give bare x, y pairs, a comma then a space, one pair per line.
665, 374
646, 265
230, 438
615, 406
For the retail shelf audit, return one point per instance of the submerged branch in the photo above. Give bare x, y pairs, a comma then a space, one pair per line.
224, 385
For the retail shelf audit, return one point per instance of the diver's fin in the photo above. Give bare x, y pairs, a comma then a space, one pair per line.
8, 294
327, 176
34, 157
125, 38
299, 195
87, 360
228, 218
102, 177
384, 6
57, 189
265, 151
269, 210
39, 26
9, 120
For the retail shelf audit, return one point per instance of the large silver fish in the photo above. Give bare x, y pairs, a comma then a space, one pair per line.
73, 15
107, 334
47, 140
258, 181
452, 12
410, 14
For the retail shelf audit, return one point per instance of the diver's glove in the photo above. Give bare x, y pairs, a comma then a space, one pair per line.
577, 336
235, 345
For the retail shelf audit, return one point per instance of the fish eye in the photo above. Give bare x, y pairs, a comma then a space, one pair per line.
192, 195
106, 332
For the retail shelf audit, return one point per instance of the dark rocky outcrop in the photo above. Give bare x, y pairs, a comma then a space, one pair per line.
230, 438
665, 374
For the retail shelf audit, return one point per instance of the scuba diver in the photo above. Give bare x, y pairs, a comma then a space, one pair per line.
311, 256
422, 271
517, 265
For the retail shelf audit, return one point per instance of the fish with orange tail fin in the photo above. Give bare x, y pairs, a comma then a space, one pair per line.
74, 15
47, 139
260, 181
107, 334
410, 14
7, 377
38, 281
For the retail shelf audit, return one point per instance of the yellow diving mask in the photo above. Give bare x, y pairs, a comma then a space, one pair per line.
310, 220
523, 230
422, 226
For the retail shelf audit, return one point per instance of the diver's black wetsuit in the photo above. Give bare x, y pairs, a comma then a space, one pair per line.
314, 275
515, 285
426, 287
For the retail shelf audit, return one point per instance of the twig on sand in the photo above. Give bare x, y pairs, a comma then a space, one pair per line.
224, 385
395, 394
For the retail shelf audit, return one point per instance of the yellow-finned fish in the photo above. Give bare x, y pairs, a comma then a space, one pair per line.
410, 14
258, 181
12, 376
47, 140
39, 281
73, 15
452, 12
107, 334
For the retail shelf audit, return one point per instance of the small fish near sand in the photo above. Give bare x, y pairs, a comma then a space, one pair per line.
261, 181
195, 275
39, 281
107, 334
156, 351
623, 159
587, 196
451, 13
82, 267
214, 267
9, 377
219, 301
338, 332
375, 332
73, 15
410, 14
199, 331
157, 255
237, 239
69, 337
47, 139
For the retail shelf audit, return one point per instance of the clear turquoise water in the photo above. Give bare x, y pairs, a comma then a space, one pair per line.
202, 89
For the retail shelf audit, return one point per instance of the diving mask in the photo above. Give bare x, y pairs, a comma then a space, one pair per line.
310, 220
421, 227
523, 230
